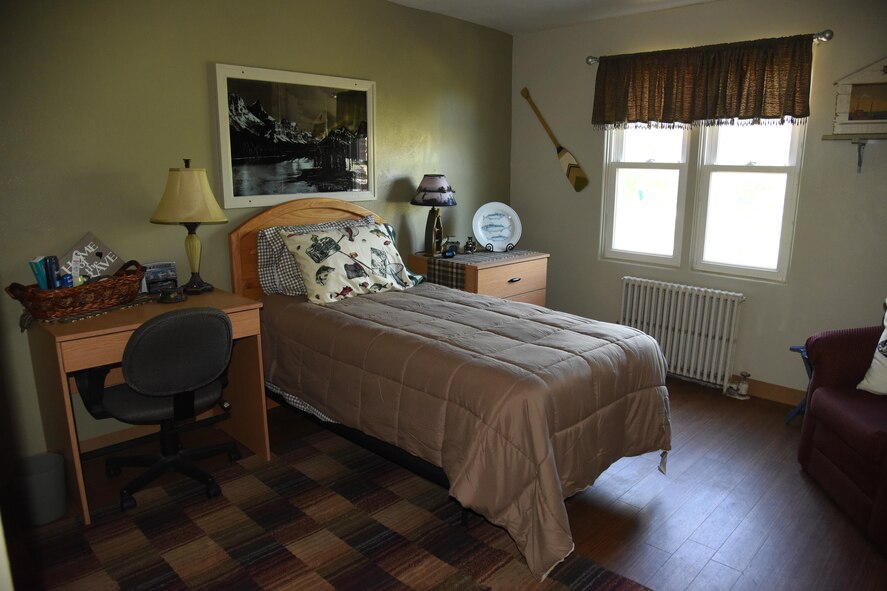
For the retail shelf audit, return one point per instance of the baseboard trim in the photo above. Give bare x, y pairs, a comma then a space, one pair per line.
774, 392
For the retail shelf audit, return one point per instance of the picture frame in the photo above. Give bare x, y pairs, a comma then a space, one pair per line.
290, 135
861, 100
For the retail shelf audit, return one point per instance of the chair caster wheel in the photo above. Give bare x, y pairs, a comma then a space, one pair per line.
233, 456
127, 502
213, 490
112, 471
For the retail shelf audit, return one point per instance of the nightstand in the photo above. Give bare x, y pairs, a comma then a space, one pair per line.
517, 275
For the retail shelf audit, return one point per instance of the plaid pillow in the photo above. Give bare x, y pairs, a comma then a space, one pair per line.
278, 272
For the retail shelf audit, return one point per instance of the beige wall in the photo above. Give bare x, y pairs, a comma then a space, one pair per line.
838, 275
101, 97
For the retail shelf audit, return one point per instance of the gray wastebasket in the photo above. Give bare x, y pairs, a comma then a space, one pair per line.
43, 481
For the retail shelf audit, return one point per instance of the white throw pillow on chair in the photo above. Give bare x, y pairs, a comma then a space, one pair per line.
875, 380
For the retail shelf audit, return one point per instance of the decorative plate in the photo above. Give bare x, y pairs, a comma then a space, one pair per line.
496, 227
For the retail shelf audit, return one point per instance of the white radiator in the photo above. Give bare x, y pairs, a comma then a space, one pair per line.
694, 326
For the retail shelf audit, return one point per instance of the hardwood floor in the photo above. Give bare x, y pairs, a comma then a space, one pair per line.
733, 512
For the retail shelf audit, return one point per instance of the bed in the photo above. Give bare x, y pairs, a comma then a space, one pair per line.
520, 406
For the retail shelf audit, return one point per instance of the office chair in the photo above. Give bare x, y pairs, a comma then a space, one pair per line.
174, 367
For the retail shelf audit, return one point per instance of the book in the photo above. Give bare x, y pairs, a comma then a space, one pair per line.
39, 271
51, 264
89, 257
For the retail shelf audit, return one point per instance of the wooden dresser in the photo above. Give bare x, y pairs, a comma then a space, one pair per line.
520, 275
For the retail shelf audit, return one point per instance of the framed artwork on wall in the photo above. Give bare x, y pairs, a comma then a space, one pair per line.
861, 100
288, 135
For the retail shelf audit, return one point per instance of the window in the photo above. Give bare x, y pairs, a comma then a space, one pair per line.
745, 181
746, 187
646, 177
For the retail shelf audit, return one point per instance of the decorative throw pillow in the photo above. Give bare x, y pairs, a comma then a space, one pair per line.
338, 264
875, 380
415, 278
278, 272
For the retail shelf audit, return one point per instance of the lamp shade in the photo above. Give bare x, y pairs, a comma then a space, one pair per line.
188, 199
434, 191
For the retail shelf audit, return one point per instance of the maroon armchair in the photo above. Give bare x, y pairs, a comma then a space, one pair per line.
844, 437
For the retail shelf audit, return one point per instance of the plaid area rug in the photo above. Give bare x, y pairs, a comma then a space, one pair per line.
323, 514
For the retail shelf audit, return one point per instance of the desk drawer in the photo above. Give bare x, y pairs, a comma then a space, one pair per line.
244, 324
94, 351
506, 281
107, 349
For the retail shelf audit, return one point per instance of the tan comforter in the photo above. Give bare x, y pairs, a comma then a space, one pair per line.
520, 405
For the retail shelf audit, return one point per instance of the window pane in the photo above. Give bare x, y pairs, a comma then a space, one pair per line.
765, 145
645, 211
652, 145
744, 220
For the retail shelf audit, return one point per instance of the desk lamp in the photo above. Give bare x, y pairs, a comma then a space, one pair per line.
189, 201
434, 191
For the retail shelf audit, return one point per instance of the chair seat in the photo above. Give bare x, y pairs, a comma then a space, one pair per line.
127, 405
859, 417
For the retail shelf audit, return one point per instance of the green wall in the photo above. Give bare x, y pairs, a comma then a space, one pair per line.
838, 272
100, 98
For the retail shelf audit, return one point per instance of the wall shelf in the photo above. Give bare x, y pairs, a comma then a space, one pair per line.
854, 137
860, 139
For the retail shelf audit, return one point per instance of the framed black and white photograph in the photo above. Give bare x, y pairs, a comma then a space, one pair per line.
288, 135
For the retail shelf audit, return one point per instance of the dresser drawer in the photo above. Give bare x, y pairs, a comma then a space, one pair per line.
507, 281
533, 297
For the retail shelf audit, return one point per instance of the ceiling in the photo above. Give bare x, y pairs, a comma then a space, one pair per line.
525, 16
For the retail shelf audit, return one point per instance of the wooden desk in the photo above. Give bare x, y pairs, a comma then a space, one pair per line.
59, 349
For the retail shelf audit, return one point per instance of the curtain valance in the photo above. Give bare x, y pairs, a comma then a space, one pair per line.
767, 79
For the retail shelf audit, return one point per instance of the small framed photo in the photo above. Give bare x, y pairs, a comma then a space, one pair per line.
861, 100
287, 135
868, 102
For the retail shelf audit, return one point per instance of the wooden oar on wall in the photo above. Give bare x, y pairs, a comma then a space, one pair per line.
571, 168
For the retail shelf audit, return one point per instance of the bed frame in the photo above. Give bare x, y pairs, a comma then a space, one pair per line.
245, 282
299, 212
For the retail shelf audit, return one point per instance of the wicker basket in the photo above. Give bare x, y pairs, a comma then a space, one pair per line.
51, 304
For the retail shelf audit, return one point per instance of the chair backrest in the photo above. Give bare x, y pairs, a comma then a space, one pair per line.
179, 351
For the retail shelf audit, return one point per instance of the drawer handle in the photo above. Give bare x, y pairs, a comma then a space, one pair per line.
514, 280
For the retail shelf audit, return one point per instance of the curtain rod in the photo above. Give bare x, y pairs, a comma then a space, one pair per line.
825, 35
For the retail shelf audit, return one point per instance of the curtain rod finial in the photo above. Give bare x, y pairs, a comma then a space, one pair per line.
591, 60
824, 35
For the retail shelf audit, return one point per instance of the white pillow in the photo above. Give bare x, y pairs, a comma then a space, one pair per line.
278, 272
875, 380
342, 263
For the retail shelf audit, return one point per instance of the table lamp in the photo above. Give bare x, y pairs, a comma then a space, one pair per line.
189, 201
434, 191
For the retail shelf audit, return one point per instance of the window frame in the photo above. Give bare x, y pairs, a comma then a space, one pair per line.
708, 142
613, 145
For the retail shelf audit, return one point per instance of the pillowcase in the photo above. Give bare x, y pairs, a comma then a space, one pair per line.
278, 272
875, 380
342, 263
415, 278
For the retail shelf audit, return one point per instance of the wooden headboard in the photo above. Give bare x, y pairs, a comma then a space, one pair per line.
299, 212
